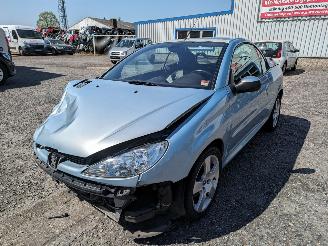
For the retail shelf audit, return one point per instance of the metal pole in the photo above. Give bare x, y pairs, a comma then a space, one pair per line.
94, 45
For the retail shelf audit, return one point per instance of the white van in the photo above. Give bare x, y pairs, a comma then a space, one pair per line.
24, 39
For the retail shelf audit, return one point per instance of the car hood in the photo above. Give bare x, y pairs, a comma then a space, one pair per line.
98, 114
120, 49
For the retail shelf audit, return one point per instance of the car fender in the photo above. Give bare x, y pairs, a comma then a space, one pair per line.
188, 142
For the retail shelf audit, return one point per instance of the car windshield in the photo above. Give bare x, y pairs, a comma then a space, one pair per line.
55, 41
126, 43
269, 49
30, 34
183, 64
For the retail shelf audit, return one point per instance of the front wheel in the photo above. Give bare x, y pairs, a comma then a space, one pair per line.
21, 52
201, 186
3, 74
273, 121
284, 68
294, 67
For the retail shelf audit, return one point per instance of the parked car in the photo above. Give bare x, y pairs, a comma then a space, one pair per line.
24, 40
282, 52
126, 47
55, 47
151, 135
7, 67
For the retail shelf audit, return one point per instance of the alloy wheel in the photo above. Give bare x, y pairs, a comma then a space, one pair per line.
1, 75
284, 68
206, 183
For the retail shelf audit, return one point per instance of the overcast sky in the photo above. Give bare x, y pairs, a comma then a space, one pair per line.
26, 12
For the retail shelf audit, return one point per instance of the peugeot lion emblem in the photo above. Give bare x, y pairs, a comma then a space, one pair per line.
54, 160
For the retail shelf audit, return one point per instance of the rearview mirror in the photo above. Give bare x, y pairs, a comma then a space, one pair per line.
248, 84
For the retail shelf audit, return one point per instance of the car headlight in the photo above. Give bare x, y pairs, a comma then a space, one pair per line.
124, 53
129, 164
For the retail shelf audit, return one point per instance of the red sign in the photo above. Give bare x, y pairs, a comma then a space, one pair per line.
279, 9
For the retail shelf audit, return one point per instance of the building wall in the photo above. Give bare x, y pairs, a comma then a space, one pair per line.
87, 22
310, 36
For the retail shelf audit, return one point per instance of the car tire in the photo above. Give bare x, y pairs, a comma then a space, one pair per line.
202, 183
21, 52
284, 68
273, 120
3, 74
294, 67
114, 62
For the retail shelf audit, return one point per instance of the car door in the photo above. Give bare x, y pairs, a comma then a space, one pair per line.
245, 110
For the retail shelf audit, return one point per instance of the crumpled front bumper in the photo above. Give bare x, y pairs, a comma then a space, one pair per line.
121, 204
110, 200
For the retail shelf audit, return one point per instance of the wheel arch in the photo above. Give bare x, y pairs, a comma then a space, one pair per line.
6, 70
215, 143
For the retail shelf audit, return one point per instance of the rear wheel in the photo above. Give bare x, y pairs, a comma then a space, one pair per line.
202, 183
3, 74
21, 51
273, 121
294, 67
284, 68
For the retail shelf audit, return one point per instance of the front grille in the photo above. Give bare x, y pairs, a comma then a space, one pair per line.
37, 46
65, 157
116, 53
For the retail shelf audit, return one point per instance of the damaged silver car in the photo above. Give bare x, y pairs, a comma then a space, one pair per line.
150, 137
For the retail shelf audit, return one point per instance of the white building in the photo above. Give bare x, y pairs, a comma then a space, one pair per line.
303, 22
101, 23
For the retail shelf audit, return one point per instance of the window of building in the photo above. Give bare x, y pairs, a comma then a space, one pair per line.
183, 34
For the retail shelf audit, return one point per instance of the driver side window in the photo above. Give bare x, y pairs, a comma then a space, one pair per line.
14, 34
246, 61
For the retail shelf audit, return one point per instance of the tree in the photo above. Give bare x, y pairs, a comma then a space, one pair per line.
47, 19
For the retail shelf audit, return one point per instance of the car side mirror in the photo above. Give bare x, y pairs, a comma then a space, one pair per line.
248, 84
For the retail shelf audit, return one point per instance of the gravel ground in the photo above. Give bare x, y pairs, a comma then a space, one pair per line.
273, 193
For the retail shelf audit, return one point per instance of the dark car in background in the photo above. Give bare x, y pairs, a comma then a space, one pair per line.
7, 67
55, 47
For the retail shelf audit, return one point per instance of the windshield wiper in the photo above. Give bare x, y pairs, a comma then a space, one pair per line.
139, 82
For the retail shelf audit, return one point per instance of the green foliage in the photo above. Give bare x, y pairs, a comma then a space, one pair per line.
47, 19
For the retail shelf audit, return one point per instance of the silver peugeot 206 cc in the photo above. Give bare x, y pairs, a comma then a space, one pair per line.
150, 137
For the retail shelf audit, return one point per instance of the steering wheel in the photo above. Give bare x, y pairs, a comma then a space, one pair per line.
203, 72
201, 54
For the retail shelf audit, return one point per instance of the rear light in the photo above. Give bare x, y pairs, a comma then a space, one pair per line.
279, 53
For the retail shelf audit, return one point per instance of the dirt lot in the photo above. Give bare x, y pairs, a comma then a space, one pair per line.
274, 192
